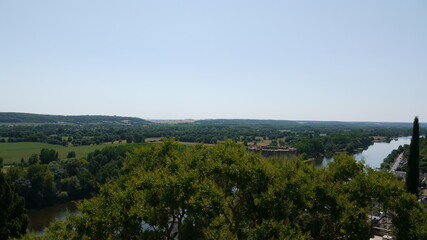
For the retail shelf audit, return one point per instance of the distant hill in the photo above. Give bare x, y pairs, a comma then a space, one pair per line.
304, 124
12, 117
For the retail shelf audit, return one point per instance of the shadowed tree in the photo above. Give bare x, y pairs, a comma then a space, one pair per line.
71, 154
47, 156
413, 169
13, 216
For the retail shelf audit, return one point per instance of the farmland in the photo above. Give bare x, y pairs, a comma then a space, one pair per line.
13, 152
84, 134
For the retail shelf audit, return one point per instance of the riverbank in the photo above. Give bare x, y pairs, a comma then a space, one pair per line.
397, 162
374, 154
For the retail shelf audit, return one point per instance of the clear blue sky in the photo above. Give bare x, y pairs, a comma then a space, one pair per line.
299, 60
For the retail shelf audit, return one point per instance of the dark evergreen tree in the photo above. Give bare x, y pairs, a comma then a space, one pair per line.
413, 169
13, 216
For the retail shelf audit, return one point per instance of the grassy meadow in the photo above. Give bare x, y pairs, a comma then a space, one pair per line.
13, 152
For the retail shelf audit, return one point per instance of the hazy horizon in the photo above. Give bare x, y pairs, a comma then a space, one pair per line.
360, 61
196, 119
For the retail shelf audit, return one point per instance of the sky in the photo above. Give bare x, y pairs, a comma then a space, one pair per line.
338, 60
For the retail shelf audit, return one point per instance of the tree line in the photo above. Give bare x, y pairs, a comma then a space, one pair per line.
29, 118
389, 160
314, 141
44, 179
414, 154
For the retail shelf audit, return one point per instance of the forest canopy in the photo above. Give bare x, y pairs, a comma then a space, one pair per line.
225, 192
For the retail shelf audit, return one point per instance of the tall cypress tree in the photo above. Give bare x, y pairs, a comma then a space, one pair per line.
413, 168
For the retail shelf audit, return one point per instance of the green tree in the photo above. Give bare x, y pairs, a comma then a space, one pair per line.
72, 166
87, 183
14, 173
33, 159
47, 156
413, 169
22, 163
409, 218
42, 185
71, 154
13, 216
72, 186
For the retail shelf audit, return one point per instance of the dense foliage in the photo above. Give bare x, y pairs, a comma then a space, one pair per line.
348, 142
44, 179
13, 117
13, 216
312, 138
225, 192
389, 160
423, 155
69, 134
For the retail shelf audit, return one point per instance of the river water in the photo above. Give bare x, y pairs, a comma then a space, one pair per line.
41, 218
375, 153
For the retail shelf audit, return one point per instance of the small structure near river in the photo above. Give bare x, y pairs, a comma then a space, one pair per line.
272, 151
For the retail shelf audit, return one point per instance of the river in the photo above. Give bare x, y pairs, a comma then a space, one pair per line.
375, 153
41, 218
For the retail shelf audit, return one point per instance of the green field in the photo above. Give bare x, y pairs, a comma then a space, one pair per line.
13, 152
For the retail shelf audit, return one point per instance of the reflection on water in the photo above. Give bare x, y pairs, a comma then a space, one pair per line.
321, 162
375, 153
41, 218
